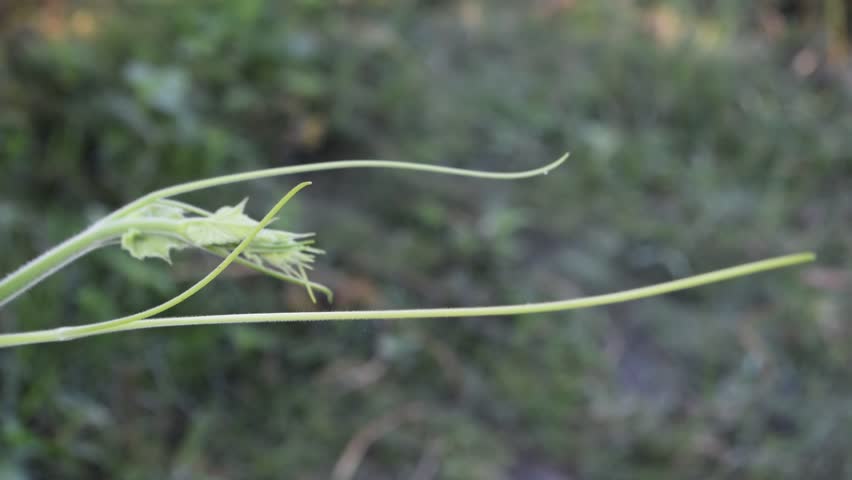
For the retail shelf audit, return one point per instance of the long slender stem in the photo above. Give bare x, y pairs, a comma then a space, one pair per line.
502, 310
321, 166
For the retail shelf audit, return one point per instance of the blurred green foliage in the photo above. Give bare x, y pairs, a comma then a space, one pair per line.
702, 133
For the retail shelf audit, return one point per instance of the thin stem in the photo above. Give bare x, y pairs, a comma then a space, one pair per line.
69, 333
316, 167
518, 309
502, 310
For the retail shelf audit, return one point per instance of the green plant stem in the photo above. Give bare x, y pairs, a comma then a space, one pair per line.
322, 166
71, 249
69, 333
519, 309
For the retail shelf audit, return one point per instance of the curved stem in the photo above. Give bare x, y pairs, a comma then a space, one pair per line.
321, 166
501, 310
66, 252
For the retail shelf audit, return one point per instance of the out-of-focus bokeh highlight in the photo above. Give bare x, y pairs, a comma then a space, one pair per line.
703, 134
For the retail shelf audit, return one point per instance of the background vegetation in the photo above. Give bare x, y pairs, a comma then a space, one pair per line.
704, 133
